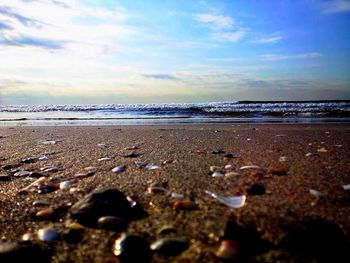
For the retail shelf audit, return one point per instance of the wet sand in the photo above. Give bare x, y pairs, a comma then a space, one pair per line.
188, 151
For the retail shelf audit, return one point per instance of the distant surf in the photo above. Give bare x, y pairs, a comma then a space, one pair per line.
178, 113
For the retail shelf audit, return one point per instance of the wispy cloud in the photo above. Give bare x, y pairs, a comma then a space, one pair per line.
34, 42
217, 22
160, 76
268, 38
223, 28
335, 6
276, 57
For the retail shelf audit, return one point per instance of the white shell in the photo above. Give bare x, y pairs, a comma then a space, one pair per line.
229, 167
177, 196
232, 174
48, 142
66, 185
217, 174
104, 159
317, 194
47, 234
230, 201
151, 166
256, 167
118, 169
102, 145
43, 158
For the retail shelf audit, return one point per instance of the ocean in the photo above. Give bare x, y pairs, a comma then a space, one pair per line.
177, 113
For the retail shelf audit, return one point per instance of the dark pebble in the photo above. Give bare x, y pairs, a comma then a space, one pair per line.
73, 235
9, 166
107, 202
5, 178
170, 246
256, 189
22, 252
132, 249
29, 160
131, 155
112, 223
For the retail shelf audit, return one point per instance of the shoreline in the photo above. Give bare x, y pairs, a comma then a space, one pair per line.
273, 215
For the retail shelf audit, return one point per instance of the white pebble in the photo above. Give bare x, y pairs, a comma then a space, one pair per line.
118, 169
217, 174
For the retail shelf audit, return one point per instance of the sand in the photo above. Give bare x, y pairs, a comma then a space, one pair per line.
286, 202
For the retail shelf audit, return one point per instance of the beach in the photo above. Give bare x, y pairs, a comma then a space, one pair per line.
167, 171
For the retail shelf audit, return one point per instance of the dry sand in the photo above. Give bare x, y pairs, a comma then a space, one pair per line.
286, 202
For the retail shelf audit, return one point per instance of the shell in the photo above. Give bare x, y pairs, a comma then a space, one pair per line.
346, 186
45, 213
65, 185
256, 167
217, 174
21, 173
229, 167
317, 194
231, 201
104, 159
43, 158
232, 174
118, 169
151, 166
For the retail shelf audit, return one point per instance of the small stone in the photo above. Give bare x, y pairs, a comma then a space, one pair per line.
256, 189
107, 202
83, 175
228, 250
185, 205
28, 237
90, 169
151, 166
131, 155
134, 147
118, 169
45, 214
5, 177
9, 166
170, 246
283, 159
48, 234
156, 190
229, 156
21, 174
311, 154
35, 174
102, 145
112, 223
317, 194
49, 169
29, 160
177, 196
65, 185
132, 249
217, 174
49, 142
322, 150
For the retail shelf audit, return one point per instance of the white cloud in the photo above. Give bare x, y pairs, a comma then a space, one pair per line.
223, 28
216, 22
276, 57
336, 6
229, 36
268, 39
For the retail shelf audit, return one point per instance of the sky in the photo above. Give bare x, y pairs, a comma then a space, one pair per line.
114, 51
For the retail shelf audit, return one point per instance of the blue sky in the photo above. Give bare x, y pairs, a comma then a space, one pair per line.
89, 51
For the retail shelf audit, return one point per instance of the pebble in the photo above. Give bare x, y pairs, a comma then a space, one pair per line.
35, 174
229, 156
5, 177
106, 202
247, 167
21, 174
102, 145
29, 160
112, 223
118, 169
177, 196
49, 169
156, 190
48, 142
22, 252
131, 155
65, 185
27, 237
283, 159
83, 175
322, 150
151, 166
44, 214
170, 246
346, 186
48, 234
256, 189
228, 250
217, 174
132, 249
311, 154
230, 201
